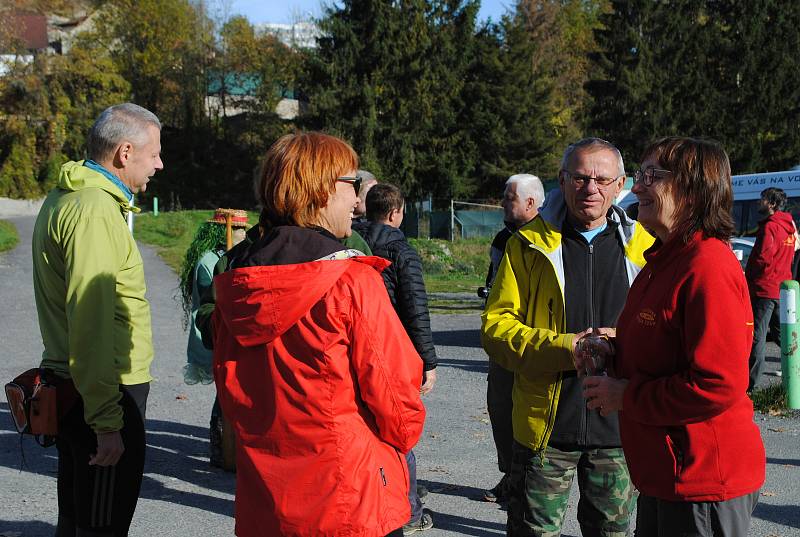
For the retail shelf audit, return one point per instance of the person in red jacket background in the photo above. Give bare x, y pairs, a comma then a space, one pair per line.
769, 264
679, 376
313, 368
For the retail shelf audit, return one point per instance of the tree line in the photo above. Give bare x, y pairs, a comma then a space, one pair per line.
432, 99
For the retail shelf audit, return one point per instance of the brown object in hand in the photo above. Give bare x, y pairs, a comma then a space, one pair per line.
44, 411
33, 404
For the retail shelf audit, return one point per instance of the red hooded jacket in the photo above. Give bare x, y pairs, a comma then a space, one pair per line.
321, 384
683, 342
770, 262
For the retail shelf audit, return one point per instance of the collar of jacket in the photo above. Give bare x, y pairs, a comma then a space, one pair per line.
544, 234
545, 231
74, 176
89, 163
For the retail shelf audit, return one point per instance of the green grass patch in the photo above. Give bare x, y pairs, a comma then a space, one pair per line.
436, 305
453, 267
449, 267
8, 235
770, 399
466, 257
172, 232
453, 283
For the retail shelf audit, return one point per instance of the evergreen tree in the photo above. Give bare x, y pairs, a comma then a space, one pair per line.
511, 107
624, 76
563, 33
760, 74
388, 76
699, 68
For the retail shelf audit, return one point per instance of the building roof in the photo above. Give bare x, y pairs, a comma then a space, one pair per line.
29, 28
237, 84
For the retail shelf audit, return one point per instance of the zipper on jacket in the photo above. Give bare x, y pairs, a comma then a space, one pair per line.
590, 287
550, 314
383, 476
584, 425
551, 422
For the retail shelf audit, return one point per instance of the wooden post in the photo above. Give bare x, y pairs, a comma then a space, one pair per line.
228, 436
229, 230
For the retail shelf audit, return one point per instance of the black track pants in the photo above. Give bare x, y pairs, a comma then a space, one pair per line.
98, 500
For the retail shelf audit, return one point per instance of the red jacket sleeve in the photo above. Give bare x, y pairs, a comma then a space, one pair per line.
714, 319
388, 368
764, 251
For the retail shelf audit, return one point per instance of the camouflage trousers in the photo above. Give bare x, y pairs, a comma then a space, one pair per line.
540, 492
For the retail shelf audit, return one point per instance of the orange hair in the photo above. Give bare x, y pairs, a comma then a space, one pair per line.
298, 175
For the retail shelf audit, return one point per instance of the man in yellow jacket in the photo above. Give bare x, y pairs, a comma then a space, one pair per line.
562, 276
95, 321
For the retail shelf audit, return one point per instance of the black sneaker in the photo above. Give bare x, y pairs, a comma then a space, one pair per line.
499, 493
425, 522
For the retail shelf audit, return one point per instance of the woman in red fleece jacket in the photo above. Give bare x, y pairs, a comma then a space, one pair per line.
683, 341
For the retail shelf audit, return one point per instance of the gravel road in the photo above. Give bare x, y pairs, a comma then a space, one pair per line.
182, 495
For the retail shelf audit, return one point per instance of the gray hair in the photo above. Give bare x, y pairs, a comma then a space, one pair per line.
528, 186
116, 124
367, 181
592, 143
366, 176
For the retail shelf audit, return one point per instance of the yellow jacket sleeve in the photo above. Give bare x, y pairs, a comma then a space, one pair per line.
523, 322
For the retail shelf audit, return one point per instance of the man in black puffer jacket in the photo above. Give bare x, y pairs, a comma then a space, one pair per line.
406, 288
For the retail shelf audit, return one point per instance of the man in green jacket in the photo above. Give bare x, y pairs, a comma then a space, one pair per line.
95, 321
562, 276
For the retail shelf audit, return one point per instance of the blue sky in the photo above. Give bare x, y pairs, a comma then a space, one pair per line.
285, 11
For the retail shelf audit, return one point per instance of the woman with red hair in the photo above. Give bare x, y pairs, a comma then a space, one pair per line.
312, 365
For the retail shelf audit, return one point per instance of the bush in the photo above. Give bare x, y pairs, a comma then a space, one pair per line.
770, 399
8, 236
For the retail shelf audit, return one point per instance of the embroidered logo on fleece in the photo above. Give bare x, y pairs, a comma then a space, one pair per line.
647, 317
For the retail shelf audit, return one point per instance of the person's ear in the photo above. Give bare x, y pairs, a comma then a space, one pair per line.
123, 154
530, 203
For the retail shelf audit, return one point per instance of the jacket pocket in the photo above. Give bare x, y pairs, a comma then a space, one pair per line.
674, 439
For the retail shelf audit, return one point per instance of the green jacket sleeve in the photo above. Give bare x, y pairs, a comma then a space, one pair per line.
357, 242
522, 324
94, 251
208, 301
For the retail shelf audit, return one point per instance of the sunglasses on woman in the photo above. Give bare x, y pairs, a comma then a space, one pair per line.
355, 181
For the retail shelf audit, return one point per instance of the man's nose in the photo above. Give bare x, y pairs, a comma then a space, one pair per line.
591, 186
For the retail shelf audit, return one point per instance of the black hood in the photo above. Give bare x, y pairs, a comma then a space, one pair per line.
378, 235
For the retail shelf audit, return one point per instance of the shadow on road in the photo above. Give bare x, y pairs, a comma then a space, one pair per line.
27, 527
463, 491
466, 365
783, 462
458, 338
785, 515
177, 456
466, 526
179, 453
